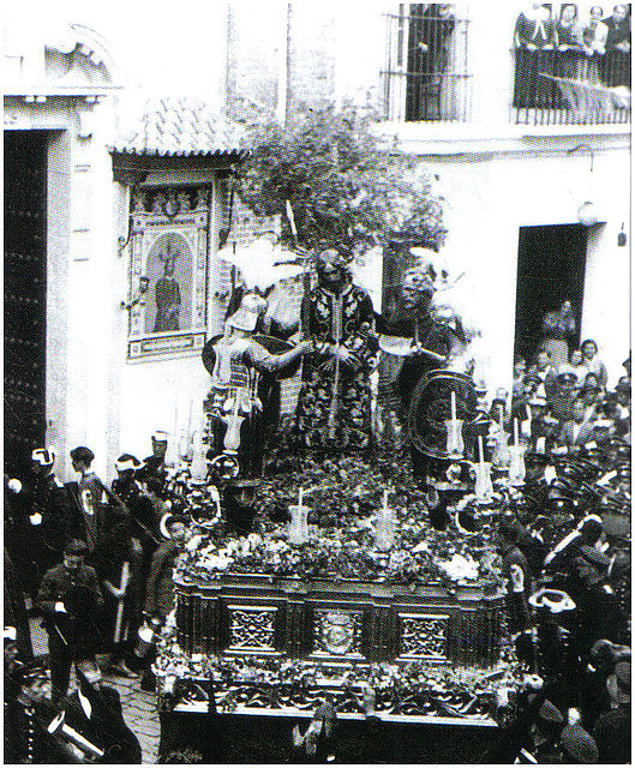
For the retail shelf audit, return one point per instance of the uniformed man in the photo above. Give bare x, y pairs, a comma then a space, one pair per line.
71, 601
49, 519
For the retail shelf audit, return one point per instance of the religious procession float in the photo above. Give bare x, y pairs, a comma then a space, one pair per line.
343, 550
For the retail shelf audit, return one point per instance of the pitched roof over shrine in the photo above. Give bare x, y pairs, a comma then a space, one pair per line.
181, 127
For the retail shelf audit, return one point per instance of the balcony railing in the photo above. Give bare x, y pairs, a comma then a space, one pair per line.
426, 77
554, 87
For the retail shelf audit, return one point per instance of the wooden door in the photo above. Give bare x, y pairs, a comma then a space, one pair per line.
25, 170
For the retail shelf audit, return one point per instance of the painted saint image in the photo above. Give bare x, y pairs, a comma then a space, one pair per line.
168, 266
167, 294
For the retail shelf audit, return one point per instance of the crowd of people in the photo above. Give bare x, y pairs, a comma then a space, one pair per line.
96, 564
565, 547
595, 50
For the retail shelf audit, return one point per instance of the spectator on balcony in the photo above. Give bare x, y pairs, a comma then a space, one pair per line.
617, 63
592, 38
568, 45
534, 38
428, 57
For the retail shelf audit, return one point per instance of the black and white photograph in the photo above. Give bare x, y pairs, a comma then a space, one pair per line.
317, 382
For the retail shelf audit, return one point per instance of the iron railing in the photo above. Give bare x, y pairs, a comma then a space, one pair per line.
553, 87
426, 77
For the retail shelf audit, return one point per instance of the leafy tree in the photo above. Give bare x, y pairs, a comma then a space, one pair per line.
345, 187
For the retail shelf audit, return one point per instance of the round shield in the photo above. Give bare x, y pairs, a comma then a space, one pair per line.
430, 409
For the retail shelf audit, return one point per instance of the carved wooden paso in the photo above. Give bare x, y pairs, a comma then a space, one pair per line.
342, 620
333, 627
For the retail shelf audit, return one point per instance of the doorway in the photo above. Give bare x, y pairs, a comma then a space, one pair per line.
551, 269
25, 253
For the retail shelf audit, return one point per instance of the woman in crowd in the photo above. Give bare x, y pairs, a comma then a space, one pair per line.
593, 363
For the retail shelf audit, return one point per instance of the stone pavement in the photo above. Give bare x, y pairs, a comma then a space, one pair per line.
139, 707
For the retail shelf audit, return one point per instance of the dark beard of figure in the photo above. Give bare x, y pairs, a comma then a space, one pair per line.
334, 283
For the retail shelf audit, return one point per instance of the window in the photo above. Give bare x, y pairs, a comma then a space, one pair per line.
426, 77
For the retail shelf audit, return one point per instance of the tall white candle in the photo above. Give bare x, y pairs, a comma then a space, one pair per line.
385, 504
300, 497
516, 432
453, 405
481, 455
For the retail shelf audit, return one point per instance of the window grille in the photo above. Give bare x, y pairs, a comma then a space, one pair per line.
426, 77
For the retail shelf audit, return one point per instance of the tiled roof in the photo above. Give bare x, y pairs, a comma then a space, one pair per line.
180, 126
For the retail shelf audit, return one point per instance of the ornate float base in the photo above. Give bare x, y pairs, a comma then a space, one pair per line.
277, 648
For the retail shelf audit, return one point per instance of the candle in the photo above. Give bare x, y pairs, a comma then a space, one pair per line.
516, 432
481, 456
453, 405
300, 496
385, 504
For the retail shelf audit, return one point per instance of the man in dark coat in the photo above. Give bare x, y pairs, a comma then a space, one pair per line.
159, 600
39, 521
71, 601
90, 500
516, 570
612, 731
94, 711
127, 490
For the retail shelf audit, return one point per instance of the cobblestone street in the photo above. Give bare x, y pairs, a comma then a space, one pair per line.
139, 707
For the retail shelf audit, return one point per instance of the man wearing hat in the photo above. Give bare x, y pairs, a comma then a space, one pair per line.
576, 432
49, 519
612, 732
154, 465
562, 393
128, 491
334, 406
71, 601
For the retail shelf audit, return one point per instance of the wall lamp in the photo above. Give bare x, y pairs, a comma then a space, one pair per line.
140, 298
587, 215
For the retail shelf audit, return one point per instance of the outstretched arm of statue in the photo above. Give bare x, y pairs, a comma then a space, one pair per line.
263, 359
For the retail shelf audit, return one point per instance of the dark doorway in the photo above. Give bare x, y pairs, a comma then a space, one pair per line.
551, 266
25, 169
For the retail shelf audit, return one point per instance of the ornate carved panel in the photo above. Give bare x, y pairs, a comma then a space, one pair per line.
169, 258
252, 628
337, 633
422, 636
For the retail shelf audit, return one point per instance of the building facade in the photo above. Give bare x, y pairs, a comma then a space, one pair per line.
124, 195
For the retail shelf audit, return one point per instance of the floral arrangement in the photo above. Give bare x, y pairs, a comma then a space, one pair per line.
228, 672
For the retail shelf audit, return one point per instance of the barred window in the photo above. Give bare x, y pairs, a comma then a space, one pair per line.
426, 76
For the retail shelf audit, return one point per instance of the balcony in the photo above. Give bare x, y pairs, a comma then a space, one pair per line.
425, 78
553, 87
